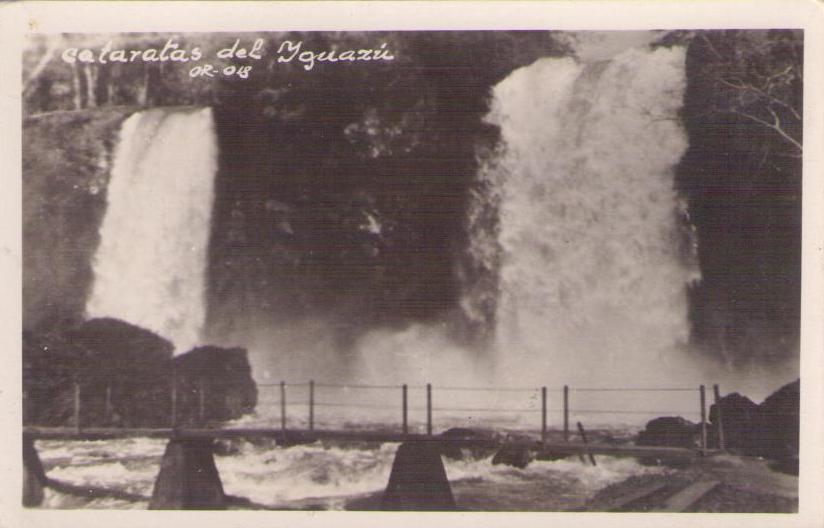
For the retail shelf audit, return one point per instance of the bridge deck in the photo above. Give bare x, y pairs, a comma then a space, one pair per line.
303, 435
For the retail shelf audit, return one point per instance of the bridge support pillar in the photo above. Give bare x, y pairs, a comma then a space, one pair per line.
418, 480
34, 477
188, 478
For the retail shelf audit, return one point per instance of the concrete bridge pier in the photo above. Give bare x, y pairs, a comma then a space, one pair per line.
188, 478
418, 480
34, 477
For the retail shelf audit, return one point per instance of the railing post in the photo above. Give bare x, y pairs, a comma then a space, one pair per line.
566, 413
703, 392
174, 402
283, 408
718, 413
201, 400
108, 409
429, 408
543, 415
77, 406
311, 405
405, 404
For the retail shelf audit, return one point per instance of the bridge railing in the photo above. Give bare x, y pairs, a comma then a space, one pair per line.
398, 403
393, 402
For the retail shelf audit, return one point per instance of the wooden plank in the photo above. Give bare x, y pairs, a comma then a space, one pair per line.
688, 496
644, 491
583, 434
95, 433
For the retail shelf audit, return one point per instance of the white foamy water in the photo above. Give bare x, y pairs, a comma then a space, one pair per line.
322, 475
150, 267
591, 252
594, 265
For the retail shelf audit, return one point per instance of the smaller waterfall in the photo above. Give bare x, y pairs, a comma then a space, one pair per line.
150, 268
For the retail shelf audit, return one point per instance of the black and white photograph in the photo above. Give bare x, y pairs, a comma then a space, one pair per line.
450, 270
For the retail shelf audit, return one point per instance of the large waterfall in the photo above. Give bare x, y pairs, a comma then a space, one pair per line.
593, 253
150, 268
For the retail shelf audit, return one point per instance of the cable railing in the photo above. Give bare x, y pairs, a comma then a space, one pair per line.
194, 393
537, 407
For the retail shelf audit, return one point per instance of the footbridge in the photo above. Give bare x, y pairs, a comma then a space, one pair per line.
189, 479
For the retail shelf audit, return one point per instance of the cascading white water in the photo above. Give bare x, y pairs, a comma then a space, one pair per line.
150, 267
593, 271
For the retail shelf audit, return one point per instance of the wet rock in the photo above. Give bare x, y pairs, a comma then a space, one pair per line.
125, 375
669, 431
739, 417
779, 421
769, 430
225, 378
455, 451
551, 456
513, 456
228, 446
121, 369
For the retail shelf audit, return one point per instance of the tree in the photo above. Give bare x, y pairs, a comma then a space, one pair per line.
758, 76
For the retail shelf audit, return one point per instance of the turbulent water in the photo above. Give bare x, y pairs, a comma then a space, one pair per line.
595, 257
321, 476
150, 267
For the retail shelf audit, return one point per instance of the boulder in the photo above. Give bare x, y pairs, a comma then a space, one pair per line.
670, 431
125, 375
121, 370
739, 418
779, 421
512, 456
129, 362
49, 367
225, 377
454, 451
769, 430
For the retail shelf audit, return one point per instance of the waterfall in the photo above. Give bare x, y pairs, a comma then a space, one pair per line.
150, 267
592, 253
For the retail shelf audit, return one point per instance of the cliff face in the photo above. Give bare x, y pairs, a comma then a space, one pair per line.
66, 163
742, 179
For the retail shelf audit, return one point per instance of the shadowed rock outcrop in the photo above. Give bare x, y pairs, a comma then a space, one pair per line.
125, 375
225, 377
672, 431
769, 430
739, 414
